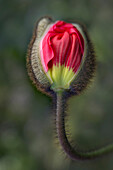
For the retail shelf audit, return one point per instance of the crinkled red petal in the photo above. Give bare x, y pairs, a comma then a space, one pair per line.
63, 44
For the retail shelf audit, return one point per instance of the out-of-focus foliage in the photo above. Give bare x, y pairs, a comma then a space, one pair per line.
26, 135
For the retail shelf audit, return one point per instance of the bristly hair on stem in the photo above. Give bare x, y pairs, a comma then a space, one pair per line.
62, 136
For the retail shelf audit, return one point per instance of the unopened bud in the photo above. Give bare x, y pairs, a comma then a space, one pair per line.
60, 57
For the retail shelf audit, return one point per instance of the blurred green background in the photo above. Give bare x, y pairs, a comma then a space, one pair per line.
26, 123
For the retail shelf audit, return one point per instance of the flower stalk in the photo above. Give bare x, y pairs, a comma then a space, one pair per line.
63, 140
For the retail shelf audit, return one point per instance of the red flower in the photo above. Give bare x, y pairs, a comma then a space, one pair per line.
61, 50
63, 44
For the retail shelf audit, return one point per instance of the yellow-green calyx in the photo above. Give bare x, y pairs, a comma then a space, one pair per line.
60, 77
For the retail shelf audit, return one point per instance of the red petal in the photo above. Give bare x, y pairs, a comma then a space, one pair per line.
62, 44
46, 52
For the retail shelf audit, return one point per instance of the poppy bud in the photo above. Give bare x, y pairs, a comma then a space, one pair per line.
60, 56
61, 63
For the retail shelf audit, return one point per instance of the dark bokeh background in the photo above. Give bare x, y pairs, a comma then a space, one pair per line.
26, 135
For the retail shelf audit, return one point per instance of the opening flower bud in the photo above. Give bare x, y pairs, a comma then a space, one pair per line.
60, 56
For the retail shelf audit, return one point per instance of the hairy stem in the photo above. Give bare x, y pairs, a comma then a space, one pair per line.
68, 149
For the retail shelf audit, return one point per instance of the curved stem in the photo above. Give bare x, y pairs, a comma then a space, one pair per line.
68, 149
